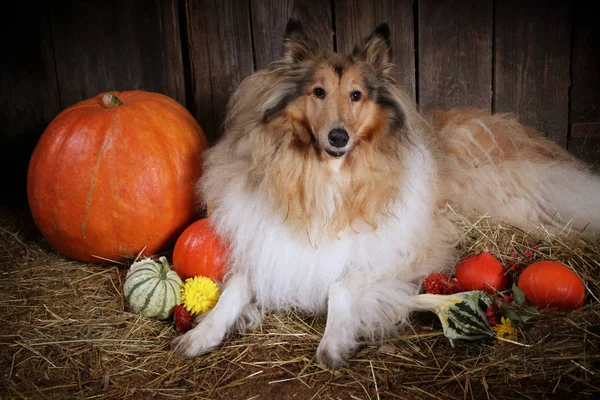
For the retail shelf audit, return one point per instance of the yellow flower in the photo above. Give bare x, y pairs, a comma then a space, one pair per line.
505, 330
199, 294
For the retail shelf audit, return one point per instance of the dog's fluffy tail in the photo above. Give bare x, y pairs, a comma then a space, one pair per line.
572, 196
562, 198
496, 166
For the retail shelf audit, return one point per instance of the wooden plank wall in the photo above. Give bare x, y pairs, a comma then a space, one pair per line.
537, 59
584, 138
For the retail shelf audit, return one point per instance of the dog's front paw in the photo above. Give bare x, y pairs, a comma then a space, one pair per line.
331, 355
199, 340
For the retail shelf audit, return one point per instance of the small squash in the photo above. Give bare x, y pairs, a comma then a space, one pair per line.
481, 272
152, 288
463, 315
552, 284
200, 251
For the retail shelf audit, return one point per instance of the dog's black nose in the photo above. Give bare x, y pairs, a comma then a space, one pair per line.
338, 137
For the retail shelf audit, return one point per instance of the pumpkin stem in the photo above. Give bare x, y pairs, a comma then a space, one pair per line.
109, 100
165, 267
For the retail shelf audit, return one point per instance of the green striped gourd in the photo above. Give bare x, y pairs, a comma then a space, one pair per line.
152, 288
463, 315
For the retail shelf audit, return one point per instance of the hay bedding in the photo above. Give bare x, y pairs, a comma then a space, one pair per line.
65, 333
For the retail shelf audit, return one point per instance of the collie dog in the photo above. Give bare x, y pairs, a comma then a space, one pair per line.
336, 195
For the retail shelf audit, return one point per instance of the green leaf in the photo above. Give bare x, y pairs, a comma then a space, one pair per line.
525, 318
531, 309
519, 295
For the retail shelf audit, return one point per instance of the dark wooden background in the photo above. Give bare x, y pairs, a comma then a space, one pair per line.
538, 59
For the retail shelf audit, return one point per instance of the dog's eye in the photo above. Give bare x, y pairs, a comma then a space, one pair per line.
355, 96
319, 92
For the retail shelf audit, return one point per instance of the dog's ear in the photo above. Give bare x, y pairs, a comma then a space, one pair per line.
376, 48
295, 42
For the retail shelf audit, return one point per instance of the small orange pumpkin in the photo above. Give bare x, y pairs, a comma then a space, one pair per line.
481, 272
199, 251
114, 175
552, 284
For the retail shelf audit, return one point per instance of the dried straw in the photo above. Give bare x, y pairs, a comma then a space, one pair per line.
65, 333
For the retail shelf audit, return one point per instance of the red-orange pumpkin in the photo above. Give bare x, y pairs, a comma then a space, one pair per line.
199, 251
115, 174
552, 284
481, 272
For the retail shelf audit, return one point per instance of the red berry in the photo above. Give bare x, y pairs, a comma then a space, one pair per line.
182, 318
507, 299
515, 266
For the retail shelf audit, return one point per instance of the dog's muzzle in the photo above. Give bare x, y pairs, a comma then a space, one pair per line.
338, 141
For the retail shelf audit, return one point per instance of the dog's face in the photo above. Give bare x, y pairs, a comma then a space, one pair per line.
337, 102
340, 109
323, 133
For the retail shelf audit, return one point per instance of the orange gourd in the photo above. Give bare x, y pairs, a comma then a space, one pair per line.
199, 251
114, 175
481, 272
551, 284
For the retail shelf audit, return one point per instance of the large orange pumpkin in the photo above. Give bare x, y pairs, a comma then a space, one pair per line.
199, 251
114, 175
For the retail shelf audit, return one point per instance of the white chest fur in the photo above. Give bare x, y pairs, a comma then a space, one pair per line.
287, 268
